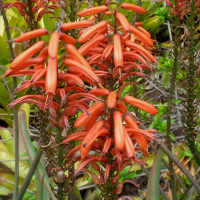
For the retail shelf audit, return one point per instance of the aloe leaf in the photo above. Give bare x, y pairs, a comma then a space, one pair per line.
39, 195
154, 178
26, 108
6, 135
31, 153
29, 176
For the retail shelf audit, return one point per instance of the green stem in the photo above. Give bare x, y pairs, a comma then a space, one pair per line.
172, 86
190, 113
16, 126
29, 175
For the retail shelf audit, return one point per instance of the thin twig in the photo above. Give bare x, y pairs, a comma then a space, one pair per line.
181, 167
176, 176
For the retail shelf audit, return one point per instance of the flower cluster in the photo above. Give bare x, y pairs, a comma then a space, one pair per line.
39, 7
91, 79
181, 7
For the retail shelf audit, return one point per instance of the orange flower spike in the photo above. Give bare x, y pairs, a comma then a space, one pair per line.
142, 36
75, 96
92, 119
86, 35
147, 107
123, 21
144, 31
140, 139
95, 109
74, 136
111, 100
121, 107
99, 92
67, 38
93, 10
108, 50
118, 131
30, 62
106, 146
140, 48
129, 145
91, 159
83, 69
94, 134
53, 45
139, 23
131, 122
118, 55
71, 49
74, 78
23, 98
21, 58
107, 171
51, 77
38, 74
43, 54
87, 46
91, 133
133, 7
76, 25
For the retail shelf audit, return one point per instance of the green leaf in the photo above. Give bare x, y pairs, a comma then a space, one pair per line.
49, 22
9, 161
4, 96
4, 50
7, 180
6, 135
154, 178
5, 191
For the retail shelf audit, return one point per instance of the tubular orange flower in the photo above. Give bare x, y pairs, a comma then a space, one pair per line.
83, 69
141, 104
142, 36
118, 131
67, 38
118, 55
71, 49
133, 7
95, 109
31, 34
27, 54
51, 77
86, 35
111, 100
91, 11
53, 45
123, 21
75, 25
